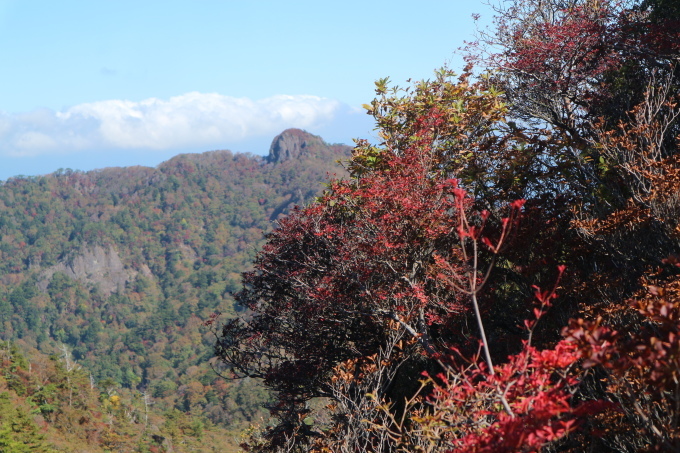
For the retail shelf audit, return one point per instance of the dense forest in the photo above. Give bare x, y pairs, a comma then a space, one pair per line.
501, 273
107, 279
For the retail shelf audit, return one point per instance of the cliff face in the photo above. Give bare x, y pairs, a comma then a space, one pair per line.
94, 266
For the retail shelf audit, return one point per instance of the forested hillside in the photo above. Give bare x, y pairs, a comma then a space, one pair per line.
114, 272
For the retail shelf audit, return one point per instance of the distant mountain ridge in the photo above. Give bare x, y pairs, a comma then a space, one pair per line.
123, 265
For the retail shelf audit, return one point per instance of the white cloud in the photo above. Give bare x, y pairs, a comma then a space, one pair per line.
192, 120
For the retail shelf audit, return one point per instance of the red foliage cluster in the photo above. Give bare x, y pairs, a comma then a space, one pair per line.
538, 388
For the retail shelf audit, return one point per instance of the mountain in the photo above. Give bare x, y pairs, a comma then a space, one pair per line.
118, 269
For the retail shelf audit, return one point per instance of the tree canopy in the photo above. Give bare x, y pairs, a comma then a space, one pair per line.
500, 272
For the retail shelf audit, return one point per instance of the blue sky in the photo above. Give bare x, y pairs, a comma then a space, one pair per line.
92, 84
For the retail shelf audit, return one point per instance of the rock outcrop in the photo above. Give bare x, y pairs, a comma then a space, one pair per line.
292, 144
95, 266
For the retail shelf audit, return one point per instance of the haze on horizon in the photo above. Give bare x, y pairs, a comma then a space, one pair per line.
95, 84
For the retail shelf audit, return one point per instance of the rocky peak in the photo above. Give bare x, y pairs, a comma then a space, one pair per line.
291, 144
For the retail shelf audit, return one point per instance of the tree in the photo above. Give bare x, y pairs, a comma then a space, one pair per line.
18, 432
566, 64
599, 79
386, 267
398, 292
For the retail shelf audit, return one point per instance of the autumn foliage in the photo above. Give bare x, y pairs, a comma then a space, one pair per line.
500, 273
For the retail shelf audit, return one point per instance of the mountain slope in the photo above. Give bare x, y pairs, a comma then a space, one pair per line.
124, 265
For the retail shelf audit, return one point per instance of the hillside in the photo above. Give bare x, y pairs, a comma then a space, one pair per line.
121, 267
